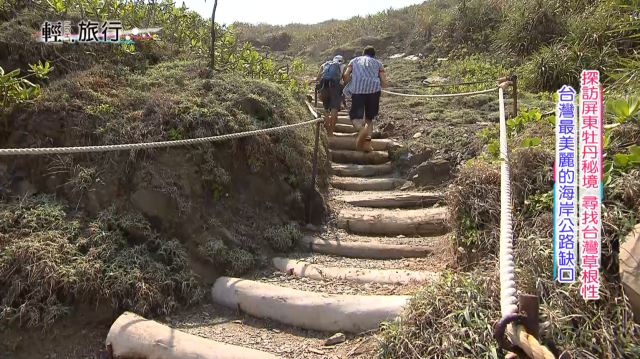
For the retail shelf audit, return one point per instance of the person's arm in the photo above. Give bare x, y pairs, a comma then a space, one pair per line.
347, 74
383, 77
319, 75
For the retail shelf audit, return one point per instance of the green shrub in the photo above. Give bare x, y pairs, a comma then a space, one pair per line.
284, 238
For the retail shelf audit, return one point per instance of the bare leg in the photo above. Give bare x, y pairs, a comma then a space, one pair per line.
327, 123
362, 133
368, 131
334, 120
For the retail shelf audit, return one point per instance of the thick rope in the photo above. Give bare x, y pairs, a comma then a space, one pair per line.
508, 302
140, 146
508, 299
442, 95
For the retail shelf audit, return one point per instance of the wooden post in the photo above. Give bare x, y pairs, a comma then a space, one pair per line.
312, 188
514, 80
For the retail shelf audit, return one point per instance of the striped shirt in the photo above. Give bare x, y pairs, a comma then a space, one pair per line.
365, 75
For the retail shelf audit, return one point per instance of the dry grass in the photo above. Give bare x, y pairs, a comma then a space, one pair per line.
473, 201
111, 105
283, 238
235, 261
81, 254
460, 322
51, 261
453, 318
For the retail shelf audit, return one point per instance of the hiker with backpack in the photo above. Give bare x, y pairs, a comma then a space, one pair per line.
330, 86
366, 78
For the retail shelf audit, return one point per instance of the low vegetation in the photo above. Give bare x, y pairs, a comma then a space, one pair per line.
454, 327
173, 212
51, 260
547, 44
143, 230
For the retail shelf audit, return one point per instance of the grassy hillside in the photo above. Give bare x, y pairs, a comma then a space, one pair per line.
545, 42
142, 230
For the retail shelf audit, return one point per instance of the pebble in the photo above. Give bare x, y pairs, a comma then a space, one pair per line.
335, 339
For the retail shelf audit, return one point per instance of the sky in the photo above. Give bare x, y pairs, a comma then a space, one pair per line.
282, 12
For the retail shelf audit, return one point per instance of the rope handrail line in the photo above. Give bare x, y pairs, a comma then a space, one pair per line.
454, 84
148, 145
508, 301
442, 95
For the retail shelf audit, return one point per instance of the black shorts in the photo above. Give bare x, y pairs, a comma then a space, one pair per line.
364, 106
331, 96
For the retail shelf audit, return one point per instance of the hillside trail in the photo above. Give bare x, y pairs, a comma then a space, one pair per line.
381, 243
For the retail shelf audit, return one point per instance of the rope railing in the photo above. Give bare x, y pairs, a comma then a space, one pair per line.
515, 325
424, 86
509, 323
149, 145
442, 95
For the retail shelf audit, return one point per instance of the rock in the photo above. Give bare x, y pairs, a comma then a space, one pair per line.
409, 159
431, 173
316, 351
417, 135
387, 129
630, 269
335, 339
379, 135
393, 146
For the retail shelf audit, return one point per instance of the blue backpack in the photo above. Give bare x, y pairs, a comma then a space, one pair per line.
331, 72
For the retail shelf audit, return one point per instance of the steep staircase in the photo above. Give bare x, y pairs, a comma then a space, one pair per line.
362, 268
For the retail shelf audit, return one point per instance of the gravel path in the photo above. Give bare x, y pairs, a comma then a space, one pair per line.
223, 325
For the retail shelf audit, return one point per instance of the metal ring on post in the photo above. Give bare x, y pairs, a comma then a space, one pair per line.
500, 328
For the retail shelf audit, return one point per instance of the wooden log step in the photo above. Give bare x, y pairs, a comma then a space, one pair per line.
320, 110
392, 199
376, 134
349, 143
359, 157
366, 184
344, 120
132, 336
365, 250
350, 170
385, 222
340, 128
308, 310
359, 275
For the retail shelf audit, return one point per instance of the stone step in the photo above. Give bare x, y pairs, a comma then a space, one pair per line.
366, 184
392, 199
365, 250
381, 276
307, 310
359, 157
386, 222
350, 170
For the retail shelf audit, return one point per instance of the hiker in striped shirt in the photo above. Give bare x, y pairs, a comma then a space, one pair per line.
366, 78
